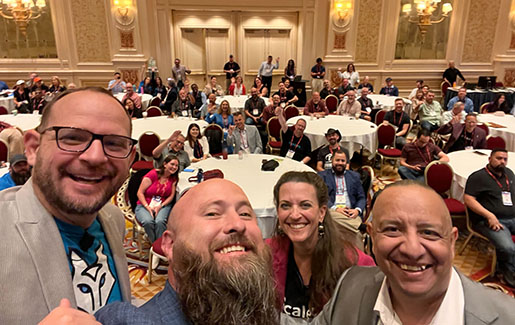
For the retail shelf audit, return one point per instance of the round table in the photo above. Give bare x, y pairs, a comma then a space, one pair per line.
237, 103
481, 96
355, 133
23, 121
145, 99
507, 132
465, 162
163, 126
257, 184
7, 102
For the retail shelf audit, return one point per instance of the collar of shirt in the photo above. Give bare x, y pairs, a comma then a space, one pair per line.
451, 310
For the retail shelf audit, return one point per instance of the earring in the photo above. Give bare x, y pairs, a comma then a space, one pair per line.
321, 230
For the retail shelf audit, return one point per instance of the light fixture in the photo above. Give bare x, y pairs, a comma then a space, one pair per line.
342, 12
424, 14
22, 11
123, 12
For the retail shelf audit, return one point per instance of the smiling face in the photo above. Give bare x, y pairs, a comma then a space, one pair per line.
413, 241
399, 105
299, 213
172, 166
194, 132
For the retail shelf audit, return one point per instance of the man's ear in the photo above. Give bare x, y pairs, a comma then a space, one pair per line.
167, 244
31, 141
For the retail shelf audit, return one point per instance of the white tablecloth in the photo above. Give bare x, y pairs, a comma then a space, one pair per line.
23, 121
465, 162
163, 126
145, 99
237, 103
355, 133
7, 102
388, 102
257, 184
508, 133
4, 170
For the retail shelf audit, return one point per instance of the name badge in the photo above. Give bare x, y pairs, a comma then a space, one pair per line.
339, 200
290, 154
506, 199
184, 113
255, 111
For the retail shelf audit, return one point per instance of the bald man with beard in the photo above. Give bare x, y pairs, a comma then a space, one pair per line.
219, 268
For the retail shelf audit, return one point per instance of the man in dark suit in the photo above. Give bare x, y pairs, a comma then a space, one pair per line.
463, 135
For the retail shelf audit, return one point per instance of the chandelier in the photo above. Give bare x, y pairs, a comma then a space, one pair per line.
22, 11
424, 14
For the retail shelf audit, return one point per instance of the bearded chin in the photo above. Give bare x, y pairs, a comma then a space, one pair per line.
238, 292
499, 169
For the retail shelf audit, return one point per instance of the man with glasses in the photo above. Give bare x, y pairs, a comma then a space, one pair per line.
174, 145
64, 246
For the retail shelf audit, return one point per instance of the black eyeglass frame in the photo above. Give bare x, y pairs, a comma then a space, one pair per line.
94, 136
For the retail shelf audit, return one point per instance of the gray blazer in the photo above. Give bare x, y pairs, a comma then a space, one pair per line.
35, 273
356, 293
253, 139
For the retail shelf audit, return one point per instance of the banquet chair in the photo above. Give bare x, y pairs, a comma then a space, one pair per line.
484, 127
367, 181
439, 175
215, 136
495, 143
380, 117
273, 129
4, 151
156, 251
147, 142
290, 111
482, 109
155, 101
3, 110
154, 111
386, 144
443, 86
331, 102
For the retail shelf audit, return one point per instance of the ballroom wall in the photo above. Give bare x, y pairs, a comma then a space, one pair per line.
94, 39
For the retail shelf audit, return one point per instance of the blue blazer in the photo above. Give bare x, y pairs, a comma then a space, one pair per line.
357, 196
218, 119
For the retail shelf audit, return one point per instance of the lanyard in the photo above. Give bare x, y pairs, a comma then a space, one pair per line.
468, 141
331, 150
395, 120
291, 141
497, 181
421, 155
340, 184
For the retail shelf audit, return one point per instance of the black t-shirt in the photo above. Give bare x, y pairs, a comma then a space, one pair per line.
296, 294
286, 96
326, 92
301, 146
231, 65
20, 97
488, 193
397, 119
325, 156
464, 140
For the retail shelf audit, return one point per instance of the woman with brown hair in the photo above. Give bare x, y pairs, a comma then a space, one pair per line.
309, 252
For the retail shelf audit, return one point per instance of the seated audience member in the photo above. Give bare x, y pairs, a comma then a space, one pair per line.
198, 98
38, 83
463, 135
430, 113
132, 95
400, 120
3, 85
196, 145
413, 242
344, 88
347, 199
131, 108
287, 97
210, 107
295, 145
22, 98
462, 97
19, 172
499, 104
327, 89
309, 251
174, 145
261, 87
171, 97
223, 117
366, 104
366, 83
57, 86
244, 137
270, 110
316, 106
349, 106
325, 154
288, 85
117, 85
38, 102
13, 137
159, 89
457, 114
146, 86
155, 195
417, 155
254, 107
183, 106
389, 89
416, 103
413, 93
219, 268
71, 85
213, 88
489, 196
351, 74
237, 88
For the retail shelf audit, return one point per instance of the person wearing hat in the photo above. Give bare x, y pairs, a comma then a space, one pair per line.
325, 154
19, 172
38, 84
390, 89
22, 97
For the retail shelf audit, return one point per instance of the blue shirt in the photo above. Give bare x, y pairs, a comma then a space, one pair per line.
469, 104
316, 68
93, 271
6, 181
3, 85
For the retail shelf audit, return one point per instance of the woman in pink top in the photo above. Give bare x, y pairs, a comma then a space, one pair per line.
155, 195
309, 252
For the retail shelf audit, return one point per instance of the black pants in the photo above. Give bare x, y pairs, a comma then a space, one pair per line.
267, 81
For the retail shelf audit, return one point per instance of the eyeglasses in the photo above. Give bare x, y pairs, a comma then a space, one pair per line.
72, 139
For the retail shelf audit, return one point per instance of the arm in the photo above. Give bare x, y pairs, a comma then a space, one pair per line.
320, 166
156, 153
443, 157
460, 75
276, 66
264, 92
188, 71
259, 144
403, 130
282, 120
306, 159
145, 184
472, 203
261, 69
306, 108
172, 195
405, 164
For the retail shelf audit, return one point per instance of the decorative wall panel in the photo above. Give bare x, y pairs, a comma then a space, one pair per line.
480, 33
367, 38
90, 27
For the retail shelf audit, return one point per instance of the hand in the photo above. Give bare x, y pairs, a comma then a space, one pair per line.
385, 122
65, 314
231, 129
455, 120
174, 136
156, 209
149, 209
494, 224
416, 167
255, 120
340, 69
277, 60
352, 213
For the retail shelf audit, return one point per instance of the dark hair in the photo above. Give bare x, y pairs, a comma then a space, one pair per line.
160, 82
398, 98
237, 113
351, 65
161, 170
495, 150
471, 114
340, 151
331, 255
503, 106
48, 109
188, 135
117, 73
211, 78
255, 85
319, 60
128, 99
291, 64
420, 81
270, 57
423, 132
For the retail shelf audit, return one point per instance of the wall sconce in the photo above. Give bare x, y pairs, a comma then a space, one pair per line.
342, 13
124, 12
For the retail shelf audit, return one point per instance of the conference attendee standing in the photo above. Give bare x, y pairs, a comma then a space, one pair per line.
179, 73
231, 69
451, 73
318, 74
266, 70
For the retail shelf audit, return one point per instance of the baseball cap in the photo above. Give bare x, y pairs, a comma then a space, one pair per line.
388, 79
19, 82
16, 159
37, 79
